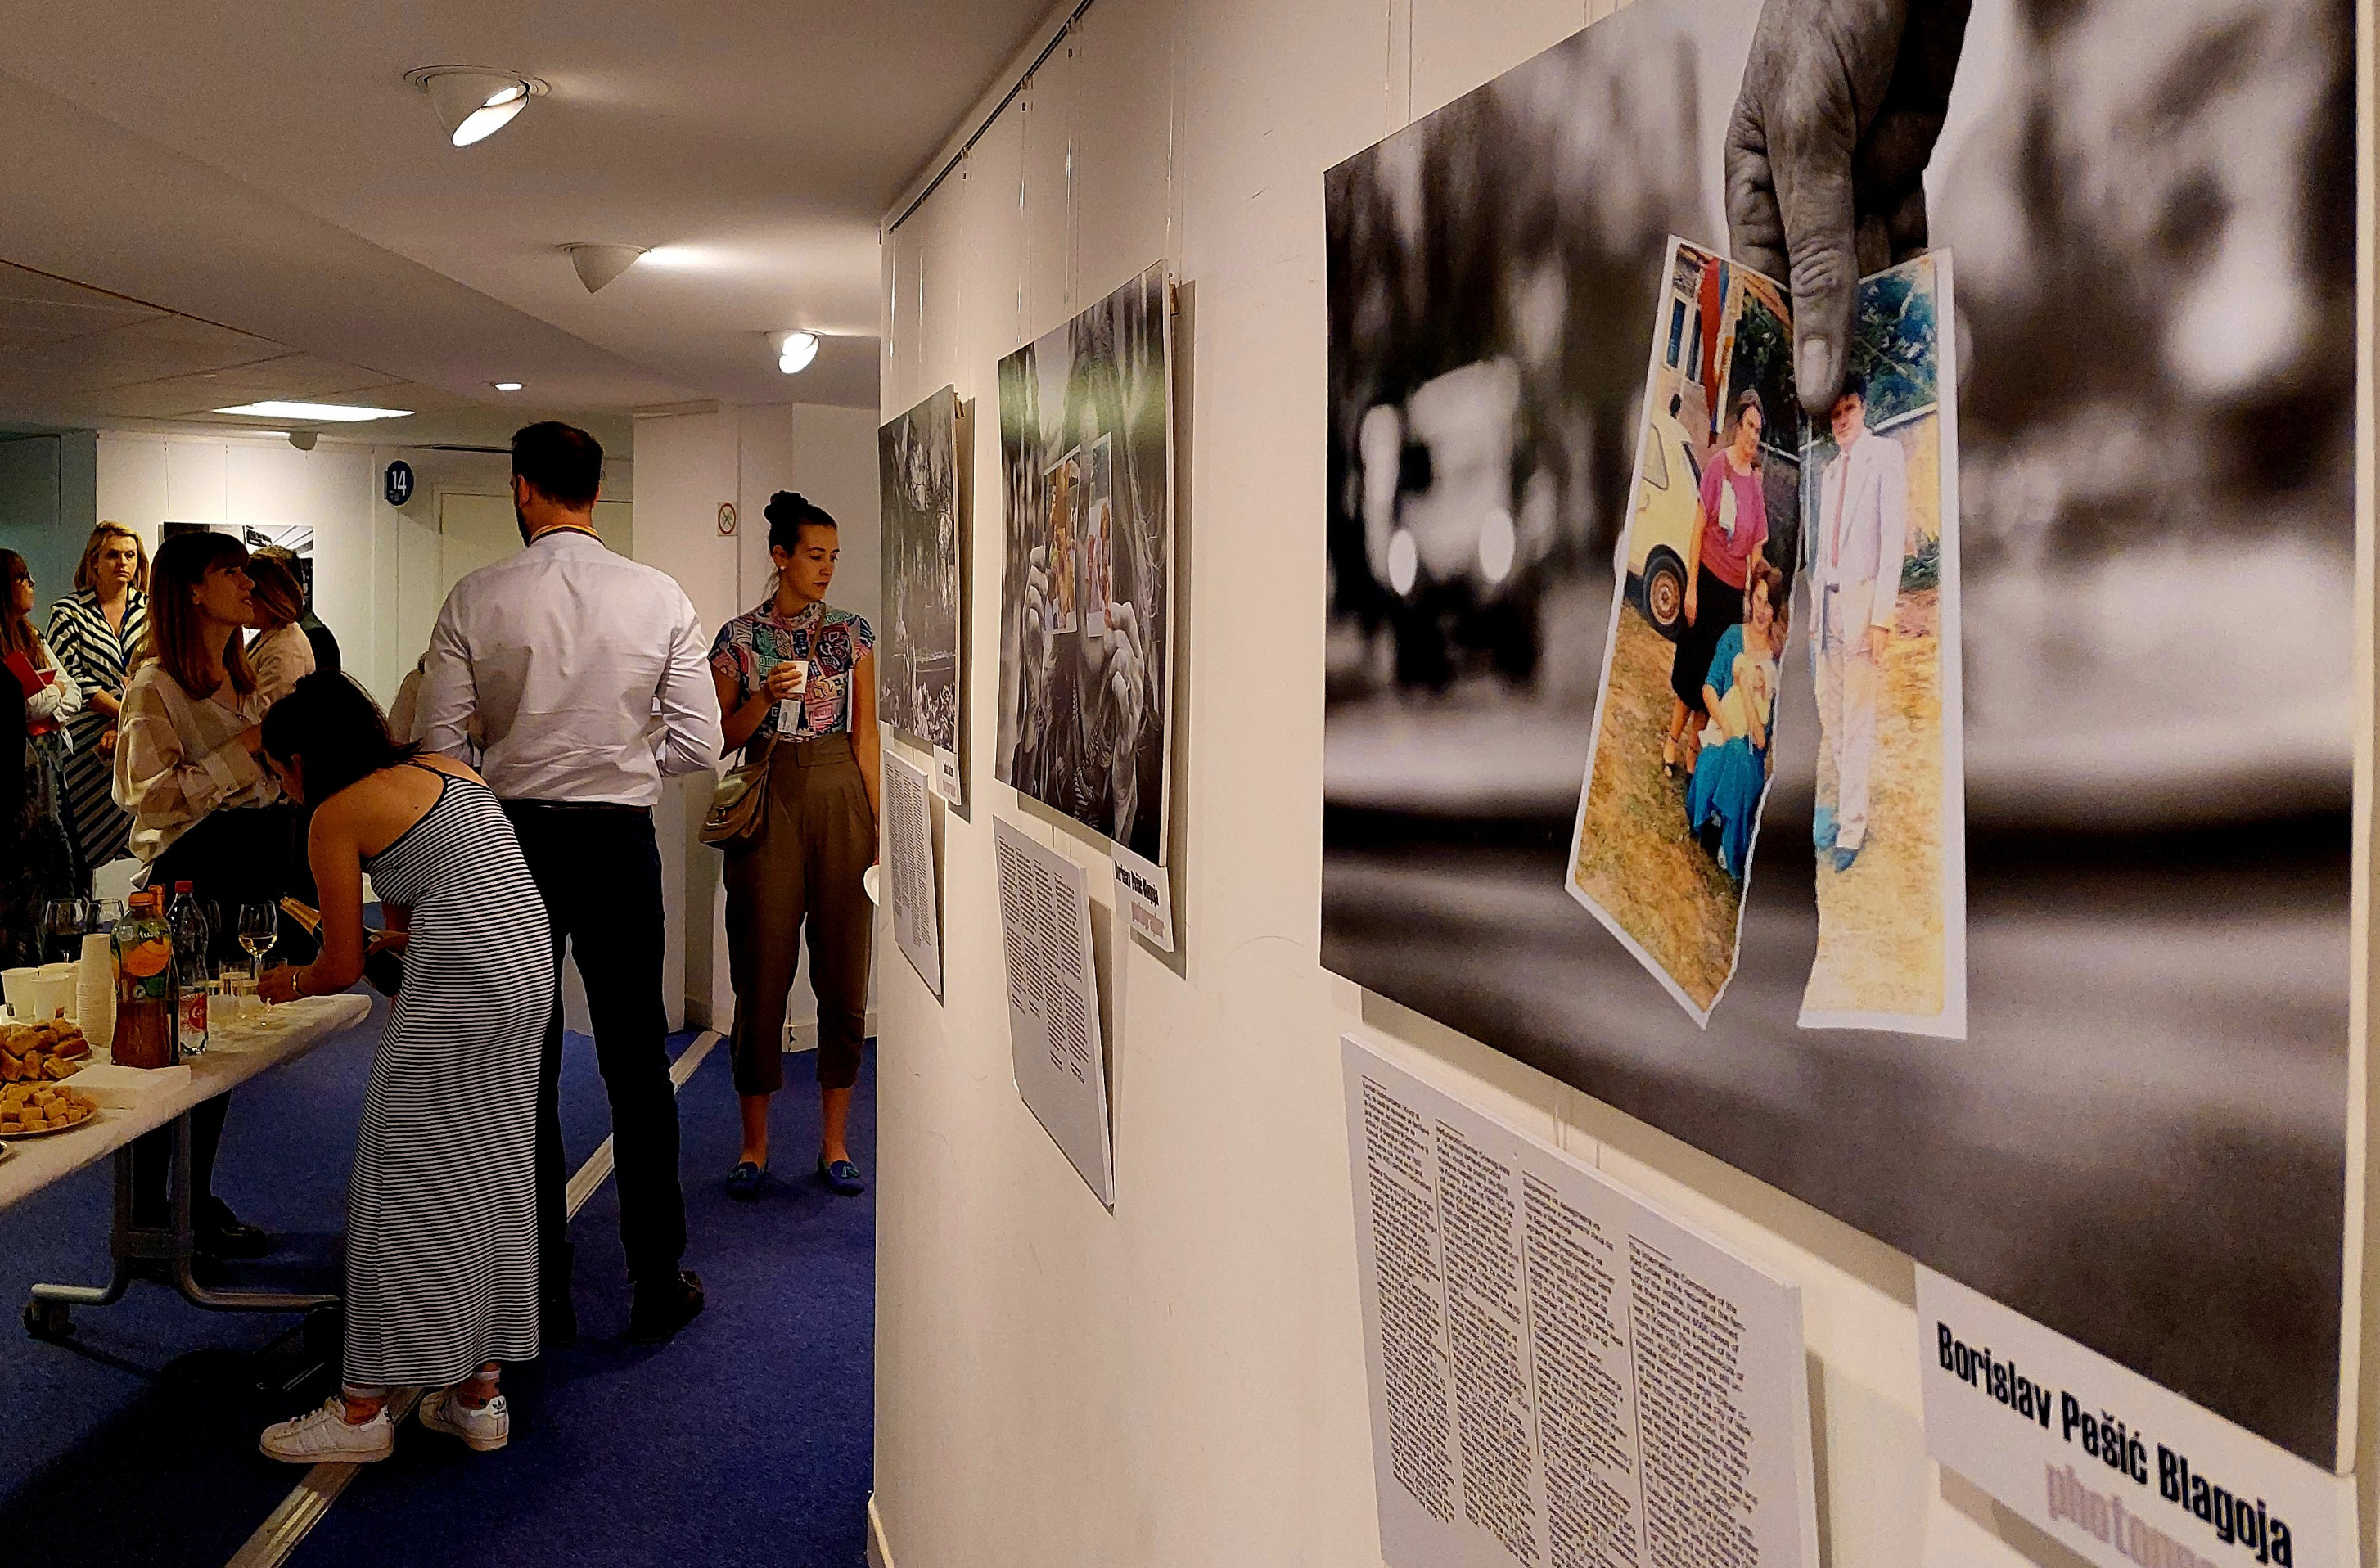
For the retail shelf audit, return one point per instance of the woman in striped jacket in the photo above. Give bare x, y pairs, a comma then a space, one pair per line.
95, 636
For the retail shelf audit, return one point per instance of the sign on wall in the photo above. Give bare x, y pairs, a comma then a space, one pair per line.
2110, 1465
1559, 1372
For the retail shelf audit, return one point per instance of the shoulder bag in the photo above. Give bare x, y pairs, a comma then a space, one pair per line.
738, 802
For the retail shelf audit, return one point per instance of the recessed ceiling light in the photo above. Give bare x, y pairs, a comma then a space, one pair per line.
474, 102
599, 264
794, 354
329, 413
505, 385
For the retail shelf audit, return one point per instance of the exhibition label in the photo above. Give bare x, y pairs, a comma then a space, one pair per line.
1560, 1373
909, 842
1053, 1001
2112, 1465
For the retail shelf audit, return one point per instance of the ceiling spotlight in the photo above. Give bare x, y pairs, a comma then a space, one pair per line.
329, 413
599, 264
794, 355
505, 385
474, 103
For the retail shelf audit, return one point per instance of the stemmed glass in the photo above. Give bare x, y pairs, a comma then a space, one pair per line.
105, 913
63, 920
260, 928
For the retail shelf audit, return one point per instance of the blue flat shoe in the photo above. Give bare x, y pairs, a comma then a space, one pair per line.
745, 1180
843, 1176
1843, 858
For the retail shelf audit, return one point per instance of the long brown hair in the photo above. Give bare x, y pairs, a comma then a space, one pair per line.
85, 582
17, 633
175, 640
274, 573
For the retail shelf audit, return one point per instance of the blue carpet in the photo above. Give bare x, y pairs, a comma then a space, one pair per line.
135, 1445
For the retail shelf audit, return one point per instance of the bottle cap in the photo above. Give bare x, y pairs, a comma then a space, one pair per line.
180, 888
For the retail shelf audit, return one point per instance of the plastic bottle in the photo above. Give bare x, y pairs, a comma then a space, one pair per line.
187, 920
144, 986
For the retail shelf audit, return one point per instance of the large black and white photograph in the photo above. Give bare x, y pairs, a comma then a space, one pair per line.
2152, 208
1085, 435
920, 671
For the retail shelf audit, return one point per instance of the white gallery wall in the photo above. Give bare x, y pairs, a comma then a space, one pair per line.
1181, 1382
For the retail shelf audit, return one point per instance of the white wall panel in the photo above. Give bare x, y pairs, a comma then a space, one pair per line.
1180, 1382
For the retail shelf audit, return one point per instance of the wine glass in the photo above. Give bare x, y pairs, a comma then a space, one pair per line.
260, 928
105, 913
63, 921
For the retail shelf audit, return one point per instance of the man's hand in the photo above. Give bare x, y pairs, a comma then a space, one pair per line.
1877, 637
1842, 103
107, 741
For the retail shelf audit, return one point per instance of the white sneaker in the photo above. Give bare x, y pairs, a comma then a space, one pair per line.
487, 1429
327, 1436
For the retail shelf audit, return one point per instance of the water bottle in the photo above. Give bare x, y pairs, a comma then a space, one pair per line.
188, 922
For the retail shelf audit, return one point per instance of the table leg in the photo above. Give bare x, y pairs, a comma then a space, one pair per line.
158, 1253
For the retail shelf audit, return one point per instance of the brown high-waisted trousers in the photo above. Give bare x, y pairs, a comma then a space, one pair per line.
816, 839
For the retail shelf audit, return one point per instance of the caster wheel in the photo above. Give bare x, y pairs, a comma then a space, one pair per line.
48, 1319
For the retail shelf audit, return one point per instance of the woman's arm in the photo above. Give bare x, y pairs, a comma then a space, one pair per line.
1694, 562
738, 718
158, 783
60, 698
865, 742
331, 850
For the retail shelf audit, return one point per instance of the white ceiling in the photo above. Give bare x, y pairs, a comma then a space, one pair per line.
269, 168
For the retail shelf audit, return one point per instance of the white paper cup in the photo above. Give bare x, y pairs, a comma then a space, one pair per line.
869, 881
13, 983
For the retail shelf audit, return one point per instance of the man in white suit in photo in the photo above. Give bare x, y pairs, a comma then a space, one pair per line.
1863, 537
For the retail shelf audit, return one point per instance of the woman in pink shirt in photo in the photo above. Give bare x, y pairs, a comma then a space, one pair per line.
1731, 524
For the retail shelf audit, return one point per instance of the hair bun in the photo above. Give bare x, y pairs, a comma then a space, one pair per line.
786, 507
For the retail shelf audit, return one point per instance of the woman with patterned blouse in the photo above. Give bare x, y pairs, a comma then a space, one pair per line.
95, 635
797, 684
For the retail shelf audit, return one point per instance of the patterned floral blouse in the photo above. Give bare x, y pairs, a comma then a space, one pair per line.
830, 641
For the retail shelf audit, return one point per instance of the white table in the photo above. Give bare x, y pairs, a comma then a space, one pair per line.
163, 1253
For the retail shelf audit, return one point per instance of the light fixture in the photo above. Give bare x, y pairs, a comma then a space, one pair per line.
794, 354
505, 385
328, 413
474, 102
599, 264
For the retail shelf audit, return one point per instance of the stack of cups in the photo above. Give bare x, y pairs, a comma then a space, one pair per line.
96, 990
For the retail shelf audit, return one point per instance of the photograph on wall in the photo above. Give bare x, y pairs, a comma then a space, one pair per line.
919, 667
1086, 560
1678, 765
2146, 509
1887, 822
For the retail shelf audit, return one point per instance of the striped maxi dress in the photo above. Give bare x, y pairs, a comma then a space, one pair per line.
442, 1206
86, 647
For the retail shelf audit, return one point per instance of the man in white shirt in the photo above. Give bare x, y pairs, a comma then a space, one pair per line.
1862, 540
577, 680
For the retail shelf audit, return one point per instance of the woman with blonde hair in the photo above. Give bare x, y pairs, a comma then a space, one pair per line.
96, 632
281, 654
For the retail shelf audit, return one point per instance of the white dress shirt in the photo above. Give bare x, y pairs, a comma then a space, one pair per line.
585, 677
1863, 534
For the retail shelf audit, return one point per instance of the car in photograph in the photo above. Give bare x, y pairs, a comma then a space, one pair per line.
1668, 500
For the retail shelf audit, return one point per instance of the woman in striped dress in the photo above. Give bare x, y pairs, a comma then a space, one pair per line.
94, 635
441, 1208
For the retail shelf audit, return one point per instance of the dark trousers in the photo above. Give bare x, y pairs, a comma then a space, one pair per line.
600, 872
803, 866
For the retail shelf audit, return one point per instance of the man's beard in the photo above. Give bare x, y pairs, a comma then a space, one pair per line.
520, 520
